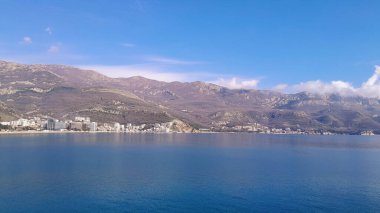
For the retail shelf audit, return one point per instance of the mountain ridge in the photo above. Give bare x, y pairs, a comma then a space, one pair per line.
63, 91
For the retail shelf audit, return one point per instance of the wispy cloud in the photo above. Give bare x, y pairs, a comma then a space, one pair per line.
138, 5
172, 69
238, 83
148, 71
26, 40
369, 88
170, 61
53, 53
162, 73
281, 87
44, 58
55, 48
49, 30
127, 45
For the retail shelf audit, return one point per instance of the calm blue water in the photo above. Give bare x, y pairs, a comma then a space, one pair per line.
189, 172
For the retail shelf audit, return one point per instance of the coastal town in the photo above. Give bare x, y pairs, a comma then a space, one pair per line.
84, 124
261, 129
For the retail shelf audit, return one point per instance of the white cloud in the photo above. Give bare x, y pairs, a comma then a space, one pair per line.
236, 83
26, 40
55, 48
49, 30
159, 73
340, 87
370, 88
148, 71
44, 58
170, 61
171, 69
280, 87
128, 45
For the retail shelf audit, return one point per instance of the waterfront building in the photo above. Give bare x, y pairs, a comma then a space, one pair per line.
20, 123
59, 125
53, 124
93, 127
76, 126
50, 124
5, 123
116, 127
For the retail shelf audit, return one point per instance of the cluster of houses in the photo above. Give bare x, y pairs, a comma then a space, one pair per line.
258, 128
36, 123
85, 124
80, 124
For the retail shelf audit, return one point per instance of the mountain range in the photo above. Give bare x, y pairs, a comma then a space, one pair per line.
64, 92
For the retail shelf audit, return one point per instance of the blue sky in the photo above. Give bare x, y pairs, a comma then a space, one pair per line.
253, 44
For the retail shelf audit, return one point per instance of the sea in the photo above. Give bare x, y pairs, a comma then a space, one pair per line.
120, 172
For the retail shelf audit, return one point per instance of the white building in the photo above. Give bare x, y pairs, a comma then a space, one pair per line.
82, 119
93, 127
5, 123
54, 124
116, 127
20, 122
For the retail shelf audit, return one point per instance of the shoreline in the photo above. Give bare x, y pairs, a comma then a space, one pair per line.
84, 132
35, 132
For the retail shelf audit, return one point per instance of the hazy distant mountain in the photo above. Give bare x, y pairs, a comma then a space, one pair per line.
64, 92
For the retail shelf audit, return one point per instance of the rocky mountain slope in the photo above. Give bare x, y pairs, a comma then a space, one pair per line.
64, 92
